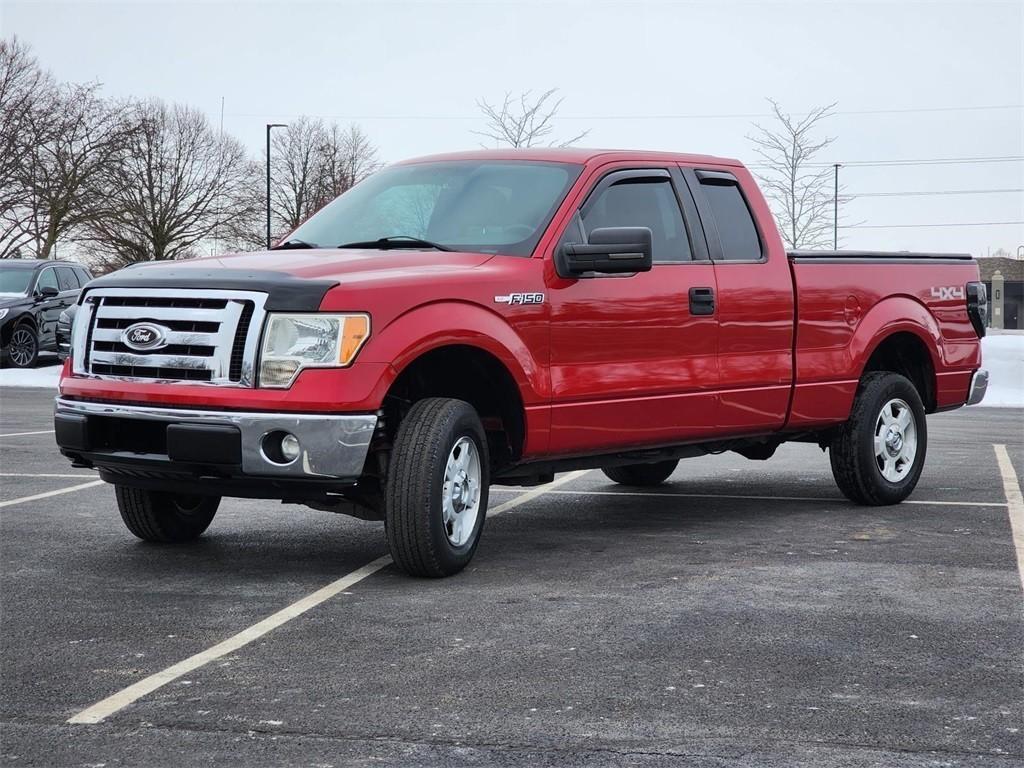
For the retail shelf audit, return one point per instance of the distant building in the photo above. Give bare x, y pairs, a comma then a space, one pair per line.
1007, 302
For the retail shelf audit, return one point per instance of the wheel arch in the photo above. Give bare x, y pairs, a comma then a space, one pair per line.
461, 350
469, 372
900, 335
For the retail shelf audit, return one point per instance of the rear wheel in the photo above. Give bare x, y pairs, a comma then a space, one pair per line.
165, 517
878, 454
436, 491
642, 474
23, 349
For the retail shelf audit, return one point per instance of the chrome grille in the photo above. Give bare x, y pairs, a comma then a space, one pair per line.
207, 336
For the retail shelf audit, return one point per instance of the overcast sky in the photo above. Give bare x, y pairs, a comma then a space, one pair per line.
913, 81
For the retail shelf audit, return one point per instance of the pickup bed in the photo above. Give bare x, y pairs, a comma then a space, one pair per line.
463, 319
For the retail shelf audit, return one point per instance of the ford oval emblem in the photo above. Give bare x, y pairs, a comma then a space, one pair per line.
144, 336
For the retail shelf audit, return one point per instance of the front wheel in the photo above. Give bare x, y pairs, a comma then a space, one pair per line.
23, 350
878, 454
435, 498
165, 518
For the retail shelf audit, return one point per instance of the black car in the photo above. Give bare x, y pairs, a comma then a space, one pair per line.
33, 294
65, 323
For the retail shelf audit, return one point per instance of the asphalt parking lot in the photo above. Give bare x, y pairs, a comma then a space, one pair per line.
742, 615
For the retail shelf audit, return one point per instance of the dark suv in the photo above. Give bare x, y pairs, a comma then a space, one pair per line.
33, 294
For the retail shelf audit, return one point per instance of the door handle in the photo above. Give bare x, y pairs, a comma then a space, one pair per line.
702, 301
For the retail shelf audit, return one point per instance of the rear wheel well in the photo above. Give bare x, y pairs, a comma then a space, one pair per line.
465, 373
905, 354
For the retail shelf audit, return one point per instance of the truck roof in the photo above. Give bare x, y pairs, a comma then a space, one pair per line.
576, 155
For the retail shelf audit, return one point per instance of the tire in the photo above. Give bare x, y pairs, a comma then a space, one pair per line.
642, 474
433, 514
878, 454
165, 518
23, 347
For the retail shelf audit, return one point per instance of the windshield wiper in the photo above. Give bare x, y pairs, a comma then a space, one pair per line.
396, 241
289, 245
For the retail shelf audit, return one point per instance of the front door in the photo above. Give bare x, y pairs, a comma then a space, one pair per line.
49, 307
634, 357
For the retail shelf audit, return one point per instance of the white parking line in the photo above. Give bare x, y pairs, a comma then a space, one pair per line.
41, 474
118, 701
48, 494
1014, 504
23, 434
767, 498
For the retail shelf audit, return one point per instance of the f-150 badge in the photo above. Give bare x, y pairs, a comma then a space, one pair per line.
520, 298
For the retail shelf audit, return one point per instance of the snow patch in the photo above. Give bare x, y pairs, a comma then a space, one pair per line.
45, 375
1003, 356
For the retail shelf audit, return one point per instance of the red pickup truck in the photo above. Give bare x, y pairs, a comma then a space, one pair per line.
500, 316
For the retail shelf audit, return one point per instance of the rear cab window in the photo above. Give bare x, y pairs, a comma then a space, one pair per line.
730, 216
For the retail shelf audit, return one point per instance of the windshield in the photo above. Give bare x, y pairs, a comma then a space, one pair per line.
469, 205
15, 279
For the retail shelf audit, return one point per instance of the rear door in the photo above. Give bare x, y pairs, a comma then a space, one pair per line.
631, 364
755, 302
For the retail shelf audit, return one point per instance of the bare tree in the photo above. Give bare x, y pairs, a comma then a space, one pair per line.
524, 121
345, 158
795, 181
72, 144
26, 92
295, 172
311, 164
171, 185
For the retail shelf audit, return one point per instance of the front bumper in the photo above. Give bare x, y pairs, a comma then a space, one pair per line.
979, 385
210, 444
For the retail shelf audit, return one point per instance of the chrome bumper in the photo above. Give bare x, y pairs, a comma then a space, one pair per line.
330, 446
979, 384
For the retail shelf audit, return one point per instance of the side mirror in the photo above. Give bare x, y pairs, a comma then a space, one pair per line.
47, 292
611, 250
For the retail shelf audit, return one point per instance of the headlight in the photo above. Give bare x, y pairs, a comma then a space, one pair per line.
294, 342
3, 313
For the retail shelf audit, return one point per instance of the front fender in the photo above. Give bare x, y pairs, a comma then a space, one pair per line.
430, 326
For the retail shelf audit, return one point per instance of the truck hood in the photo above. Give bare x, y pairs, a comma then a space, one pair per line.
295, 280
346, 265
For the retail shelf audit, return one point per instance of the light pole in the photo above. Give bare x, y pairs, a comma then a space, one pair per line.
835, 210
269, 127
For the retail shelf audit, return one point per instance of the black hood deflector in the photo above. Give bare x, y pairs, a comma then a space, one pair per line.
285, 293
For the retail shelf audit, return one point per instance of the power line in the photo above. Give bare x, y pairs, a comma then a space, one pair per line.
920, 161
915, 226
935, 192
682, 116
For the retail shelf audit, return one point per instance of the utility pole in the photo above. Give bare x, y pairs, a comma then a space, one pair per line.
835, 211
269, 127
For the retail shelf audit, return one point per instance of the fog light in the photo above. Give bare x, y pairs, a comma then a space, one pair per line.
280, 447
290, 447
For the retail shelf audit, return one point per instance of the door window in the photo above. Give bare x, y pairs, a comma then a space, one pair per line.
47, 279
643, 202
67, 279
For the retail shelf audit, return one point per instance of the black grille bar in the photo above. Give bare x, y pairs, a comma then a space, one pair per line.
238, 348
